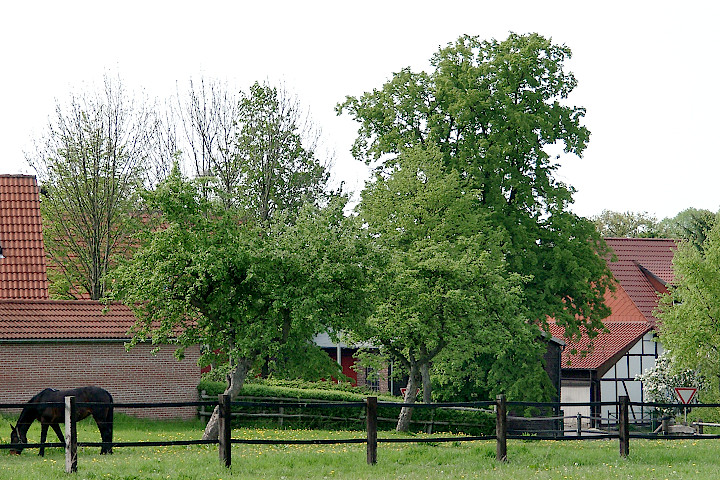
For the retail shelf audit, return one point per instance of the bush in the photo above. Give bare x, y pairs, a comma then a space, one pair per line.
461, 421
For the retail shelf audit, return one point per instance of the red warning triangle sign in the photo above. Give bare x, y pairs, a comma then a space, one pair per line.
685, 394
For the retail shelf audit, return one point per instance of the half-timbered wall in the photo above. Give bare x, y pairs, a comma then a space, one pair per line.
620, 379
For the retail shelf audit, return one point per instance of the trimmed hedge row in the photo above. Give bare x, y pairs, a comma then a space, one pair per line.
471, 422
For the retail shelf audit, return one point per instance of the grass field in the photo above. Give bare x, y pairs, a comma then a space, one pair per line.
599, 459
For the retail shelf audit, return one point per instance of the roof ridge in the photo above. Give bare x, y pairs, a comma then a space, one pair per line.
617, 322
643, 239
41, 301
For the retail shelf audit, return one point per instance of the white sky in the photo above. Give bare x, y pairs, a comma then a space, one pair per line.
648, 72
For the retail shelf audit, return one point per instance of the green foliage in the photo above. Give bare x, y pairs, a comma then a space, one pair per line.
445, 295
627, 224
691, 224
298, 389
210, 277
257, 148
304, 362
690, 314
492, 109
277, 166
508, 359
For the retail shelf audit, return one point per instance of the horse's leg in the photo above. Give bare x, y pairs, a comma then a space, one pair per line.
43, 437
104, 419
58, 432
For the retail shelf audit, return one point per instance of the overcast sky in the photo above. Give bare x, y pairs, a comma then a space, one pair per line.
647, 71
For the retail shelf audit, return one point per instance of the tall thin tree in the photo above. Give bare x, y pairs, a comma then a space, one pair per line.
91, 162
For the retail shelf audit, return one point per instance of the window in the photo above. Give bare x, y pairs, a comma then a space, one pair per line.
372, 379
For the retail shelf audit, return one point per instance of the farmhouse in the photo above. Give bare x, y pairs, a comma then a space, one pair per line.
642, 269
63, 343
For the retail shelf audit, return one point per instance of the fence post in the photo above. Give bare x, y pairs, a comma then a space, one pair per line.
501, 428
202, 412
624, 427
224, 434
579, 425
371, 421
699, 426
665, 425
70, 435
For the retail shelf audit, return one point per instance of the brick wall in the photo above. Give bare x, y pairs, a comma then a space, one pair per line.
134, 376
382, 383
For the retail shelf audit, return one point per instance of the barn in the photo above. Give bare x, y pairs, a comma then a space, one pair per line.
66, 343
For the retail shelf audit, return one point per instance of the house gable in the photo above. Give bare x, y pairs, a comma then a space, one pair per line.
642, 269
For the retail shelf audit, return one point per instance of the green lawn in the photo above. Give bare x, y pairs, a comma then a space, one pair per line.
599, 459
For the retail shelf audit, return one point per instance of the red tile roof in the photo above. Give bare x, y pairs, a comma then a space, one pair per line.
26, 312
607, 347
63, 319
23, 272
642, 270
643, 267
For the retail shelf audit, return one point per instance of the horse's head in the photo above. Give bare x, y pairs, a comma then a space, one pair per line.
16, 437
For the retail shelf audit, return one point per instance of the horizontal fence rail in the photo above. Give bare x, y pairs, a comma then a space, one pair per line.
508, 423
280, 407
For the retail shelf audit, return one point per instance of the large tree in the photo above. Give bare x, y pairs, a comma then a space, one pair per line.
250, 291
494, 110
445, 289
259, 147
277, 147
99, 150
254, 256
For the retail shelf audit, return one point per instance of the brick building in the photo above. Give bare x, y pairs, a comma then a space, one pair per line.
62, 343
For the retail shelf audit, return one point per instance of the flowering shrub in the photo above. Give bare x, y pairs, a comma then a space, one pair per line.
659, 382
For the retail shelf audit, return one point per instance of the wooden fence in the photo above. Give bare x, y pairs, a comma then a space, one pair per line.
276, 408
370, 408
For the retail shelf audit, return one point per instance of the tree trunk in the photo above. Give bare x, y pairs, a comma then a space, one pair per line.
410, 394
236, 380
426, 387
427, 391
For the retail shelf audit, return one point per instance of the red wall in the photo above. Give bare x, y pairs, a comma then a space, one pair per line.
130, 376
347, 361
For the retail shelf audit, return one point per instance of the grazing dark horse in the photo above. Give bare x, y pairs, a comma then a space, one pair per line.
49, 416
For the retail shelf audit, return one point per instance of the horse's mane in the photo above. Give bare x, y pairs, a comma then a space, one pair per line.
38, 397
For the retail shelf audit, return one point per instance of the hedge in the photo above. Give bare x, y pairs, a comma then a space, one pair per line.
471, 422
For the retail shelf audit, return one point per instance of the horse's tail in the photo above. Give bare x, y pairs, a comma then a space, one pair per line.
110, 415
106, 429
